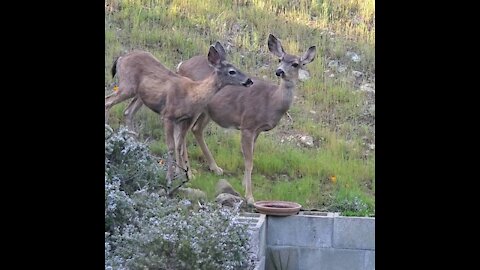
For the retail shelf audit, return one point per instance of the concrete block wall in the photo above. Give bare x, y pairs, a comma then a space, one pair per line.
258, 237
323, 242
311, 241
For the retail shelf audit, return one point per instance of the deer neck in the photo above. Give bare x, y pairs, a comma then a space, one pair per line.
284, 93
208, 87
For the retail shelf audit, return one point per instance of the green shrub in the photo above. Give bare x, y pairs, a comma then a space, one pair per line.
147, 230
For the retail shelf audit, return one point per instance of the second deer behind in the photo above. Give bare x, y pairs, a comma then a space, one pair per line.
259, 108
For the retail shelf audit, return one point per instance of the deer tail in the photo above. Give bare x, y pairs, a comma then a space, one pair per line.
114, 67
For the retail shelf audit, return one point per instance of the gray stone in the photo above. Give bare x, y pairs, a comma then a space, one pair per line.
298, 230
307, 140
333, 64
371, 110
303, 75
341, 68
227, 199
353, 56
368, 87
354, 233
357, 74
223, 186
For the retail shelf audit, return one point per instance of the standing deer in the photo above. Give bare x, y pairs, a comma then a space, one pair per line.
179, 100
258, 108
136, 103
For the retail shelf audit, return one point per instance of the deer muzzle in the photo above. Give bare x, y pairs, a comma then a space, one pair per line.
279, 72
247, 83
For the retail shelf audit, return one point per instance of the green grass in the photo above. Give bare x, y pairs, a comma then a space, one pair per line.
330, 109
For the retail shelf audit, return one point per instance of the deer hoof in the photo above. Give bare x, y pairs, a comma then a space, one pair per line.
190, 176
217, 170
250, 201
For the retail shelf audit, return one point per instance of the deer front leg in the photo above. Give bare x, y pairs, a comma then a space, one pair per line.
197, 130
169, 126
248, 144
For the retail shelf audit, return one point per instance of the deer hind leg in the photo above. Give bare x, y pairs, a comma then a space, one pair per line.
129, 113
169, 135
113, 99
248, 145
197, 130
181, 156
186, 161
176, 135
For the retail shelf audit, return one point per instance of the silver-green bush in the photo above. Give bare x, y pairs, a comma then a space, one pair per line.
145, 230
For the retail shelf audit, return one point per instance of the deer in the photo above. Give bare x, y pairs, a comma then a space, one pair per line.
257, 109
177, 99
136, 103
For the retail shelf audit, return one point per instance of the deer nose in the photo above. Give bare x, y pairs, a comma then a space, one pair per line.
248, 82
279, 72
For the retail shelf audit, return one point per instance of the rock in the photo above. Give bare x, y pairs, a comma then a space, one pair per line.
303, 75
227, 199
371, 109
192, 194
162, 192
368, 87
236, 27
371, 146
333, 64
313, 112
223, 186
353, 56
357, 74
307, 140
341, 68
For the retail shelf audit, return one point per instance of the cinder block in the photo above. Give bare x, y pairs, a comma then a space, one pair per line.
299, 230
354, 233
369, 260
260, 264
262, 232
282, 258
331, 259
257, 235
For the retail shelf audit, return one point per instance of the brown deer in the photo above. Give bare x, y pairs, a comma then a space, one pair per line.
258, 108
136, 103
179, 100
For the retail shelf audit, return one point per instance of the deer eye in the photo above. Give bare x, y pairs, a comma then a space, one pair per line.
294, 65
232, 72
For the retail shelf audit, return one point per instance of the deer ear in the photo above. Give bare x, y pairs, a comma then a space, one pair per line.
308, 56
220, 49
275, 46
214, 58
